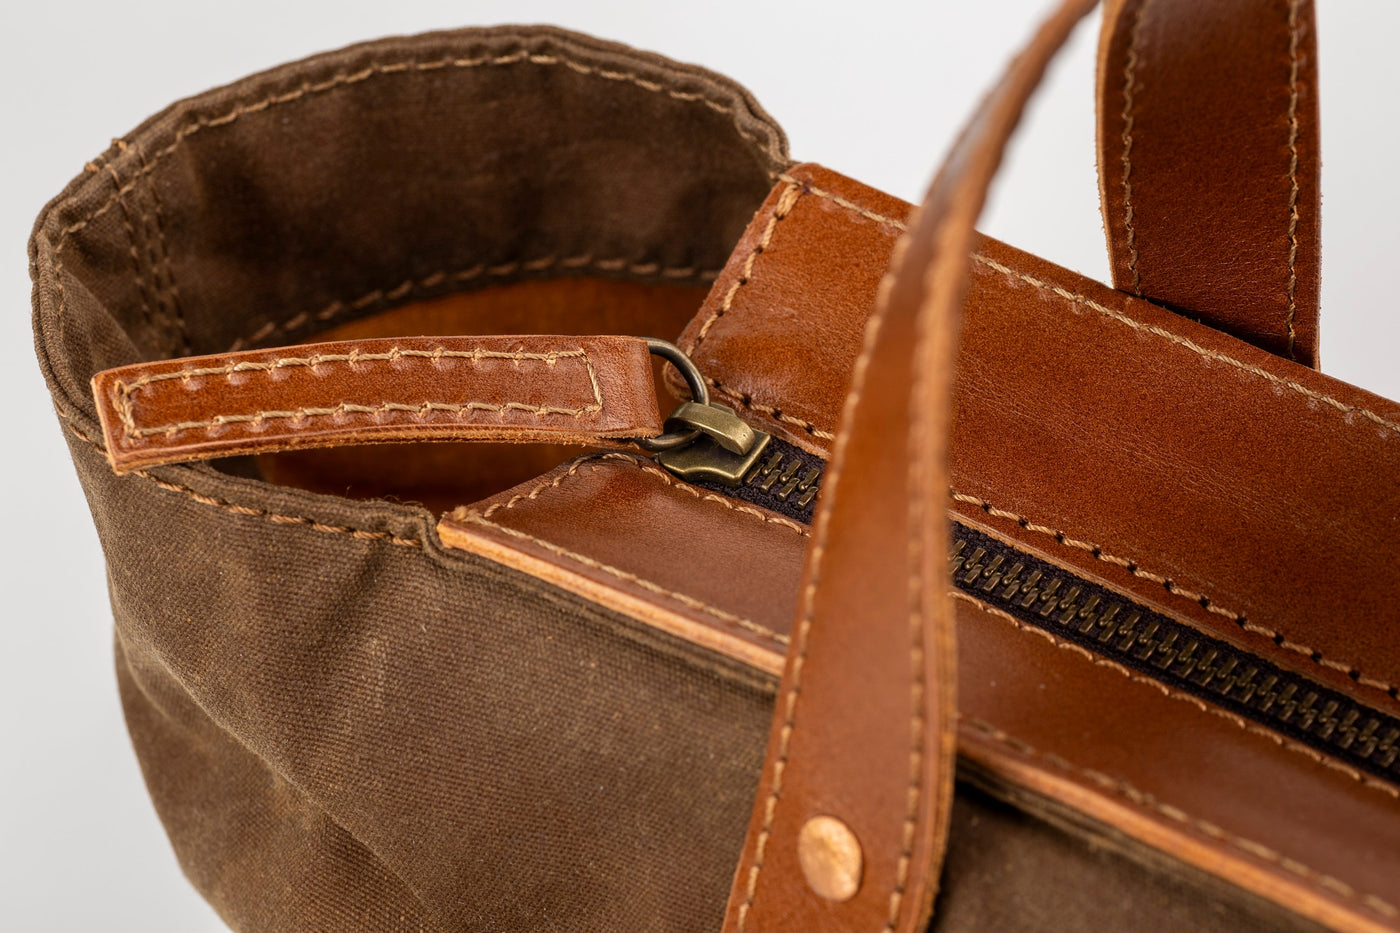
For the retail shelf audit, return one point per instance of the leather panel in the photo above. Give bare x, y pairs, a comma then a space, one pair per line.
620, 530
1222, 474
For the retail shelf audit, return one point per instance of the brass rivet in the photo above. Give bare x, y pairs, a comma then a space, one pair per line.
830, 857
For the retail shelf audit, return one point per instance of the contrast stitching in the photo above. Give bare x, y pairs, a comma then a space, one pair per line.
1129, 93
125, 391
747, 401
163, 265
477, 518
1070, 296
309, 89
797, 659
1200, 599
1292, 176
662, 475
1198, 703
848, 205
915, 593
1147, 801
786, 202
276, 518
585, 261
1194, 347
279, 519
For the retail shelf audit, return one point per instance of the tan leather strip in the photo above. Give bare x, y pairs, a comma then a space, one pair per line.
519, 388
864, 726
1208, 163
637, 544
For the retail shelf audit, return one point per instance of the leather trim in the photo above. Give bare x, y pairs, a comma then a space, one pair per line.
1076, 405
523, 388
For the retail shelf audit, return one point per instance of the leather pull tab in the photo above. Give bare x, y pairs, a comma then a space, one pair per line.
585, 390
849, 825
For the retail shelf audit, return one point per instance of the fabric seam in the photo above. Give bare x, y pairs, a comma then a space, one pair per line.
584, 261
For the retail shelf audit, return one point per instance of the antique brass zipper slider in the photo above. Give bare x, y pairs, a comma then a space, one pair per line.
704, 441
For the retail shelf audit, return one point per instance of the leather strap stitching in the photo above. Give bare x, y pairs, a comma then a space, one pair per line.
125, 392
1293, 36
1129, 100
820, 536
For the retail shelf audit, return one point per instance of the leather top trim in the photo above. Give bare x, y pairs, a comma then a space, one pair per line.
567, 389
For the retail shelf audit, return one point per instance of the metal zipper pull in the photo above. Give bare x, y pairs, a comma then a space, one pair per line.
704, 441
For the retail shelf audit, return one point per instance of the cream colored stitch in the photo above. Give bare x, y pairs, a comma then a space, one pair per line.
1237, 721
797, 658
1292, 176
918, 469
278, 518
1279, 381
1200, 599
769, 148
126, 391
1147, 801
1129, 91
338, 308
849, 205
785, 204
1194, 347
476, 518
643, 465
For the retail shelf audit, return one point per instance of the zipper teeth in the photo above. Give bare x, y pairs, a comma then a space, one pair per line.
783, 476
1034, 591
1112, 626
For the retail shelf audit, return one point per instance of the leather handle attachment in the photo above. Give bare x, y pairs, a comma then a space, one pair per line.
585, 390
1209, 173
849, 825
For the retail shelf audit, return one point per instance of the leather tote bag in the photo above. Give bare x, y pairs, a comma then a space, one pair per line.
957, 592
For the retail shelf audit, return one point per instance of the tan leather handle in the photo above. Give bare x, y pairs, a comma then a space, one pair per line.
1208, 163
849, 824
587, 390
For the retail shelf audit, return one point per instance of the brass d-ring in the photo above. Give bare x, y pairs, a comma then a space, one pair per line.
699, 393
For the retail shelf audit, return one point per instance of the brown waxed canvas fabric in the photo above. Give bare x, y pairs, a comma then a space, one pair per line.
342, 724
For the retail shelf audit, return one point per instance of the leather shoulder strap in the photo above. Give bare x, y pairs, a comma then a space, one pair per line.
1208, 163
557, 389
851, 817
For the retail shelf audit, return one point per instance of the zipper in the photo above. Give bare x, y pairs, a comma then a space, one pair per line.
785, 479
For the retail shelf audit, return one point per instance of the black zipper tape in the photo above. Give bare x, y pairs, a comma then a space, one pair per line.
1112, 626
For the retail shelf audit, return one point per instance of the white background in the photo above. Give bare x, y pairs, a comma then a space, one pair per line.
874, 89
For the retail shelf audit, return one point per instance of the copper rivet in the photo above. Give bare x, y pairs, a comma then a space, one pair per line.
830, 857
